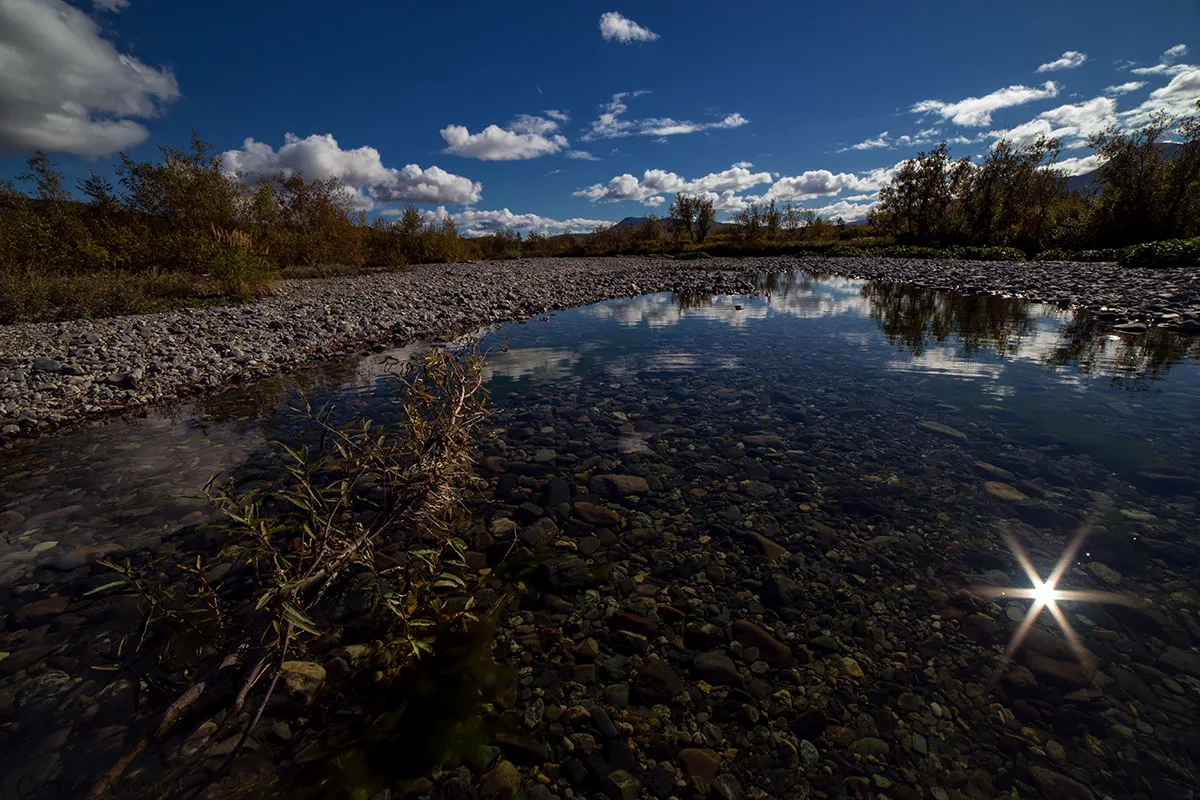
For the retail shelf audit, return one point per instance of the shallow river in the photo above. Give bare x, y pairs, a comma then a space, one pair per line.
982, 410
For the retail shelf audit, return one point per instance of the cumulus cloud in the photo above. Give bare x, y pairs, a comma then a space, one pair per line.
110, 5
611, 123
851, 212
821, 182
527, 136
1078, 165
361, 169
976, 112
581, 155
657, 182
65, 88
1068, 60
1124, 88
474, 222
1177, 98
555, 114
1072, 123
619, 28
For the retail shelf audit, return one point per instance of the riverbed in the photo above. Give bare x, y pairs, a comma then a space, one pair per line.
826, 469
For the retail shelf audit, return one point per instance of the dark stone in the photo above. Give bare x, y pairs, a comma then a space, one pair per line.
528, 512
627, 621
780, 591
771, 650
810, 724
522, 748
657, 683
659, 783
565, 574
716, 668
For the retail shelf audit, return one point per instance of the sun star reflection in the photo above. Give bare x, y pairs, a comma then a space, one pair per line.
1046, 595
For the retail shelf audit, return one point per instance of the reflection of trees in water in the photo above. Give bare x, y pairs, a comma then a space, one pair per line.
911, 317
691, 300
785, 283
1133, 361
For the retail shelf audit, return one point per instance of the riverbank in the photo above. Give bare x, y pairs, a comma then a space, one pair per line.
52, 374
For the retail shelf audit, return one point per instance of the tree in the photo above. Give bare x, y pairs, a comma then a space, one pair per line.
915, 205
651, 230
772, 221
705, 217
683, 216
1146, 194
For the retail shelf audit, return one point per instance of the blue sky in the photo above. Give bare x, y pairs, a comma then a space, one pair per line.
553, 116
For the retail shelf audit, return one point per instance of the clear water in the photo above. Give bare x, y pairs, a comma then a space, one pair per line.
864, 361
895, 409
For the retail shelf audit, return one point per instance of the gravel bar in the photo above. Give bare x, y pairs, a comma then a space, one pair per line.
53, 374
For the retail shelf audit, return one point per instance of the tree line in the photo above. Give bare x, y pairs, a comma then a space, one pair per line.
1146, 189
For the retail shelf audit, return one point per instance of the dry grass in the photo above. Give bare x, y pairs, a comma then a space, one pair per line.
34, 296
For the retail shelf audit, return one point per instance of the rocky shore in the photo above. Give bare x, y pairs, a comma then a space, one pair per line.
57, 373
746, 589
1131, 300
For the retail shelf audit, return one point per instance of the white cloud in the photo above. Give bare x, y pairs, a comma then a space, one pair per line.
1168, 63
110, 5
616, 27
1163, 69
744, 164
883, 140
977, 111
1072, 124
1177, 98
1124, 88
527, 136
870, 144
1078, 165
851, 212
611, 123
64, 88
581, 155
558, 116
1068, 60
656, 182
1173, 54
361, 169
1077, 121
474, 222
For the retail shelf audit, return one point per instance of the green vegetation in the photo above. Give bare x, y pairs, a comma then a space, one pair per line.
343, 584
1016, 197
183, 231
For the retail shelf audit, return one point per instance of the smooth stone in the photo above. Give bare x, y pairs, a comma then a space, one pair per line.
597, 515
942, 429
700, 766
1003, 491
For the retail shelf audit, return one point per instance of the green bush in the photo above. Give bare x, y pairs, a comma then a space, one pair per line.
1062, 254
987, 253
845, 251
692, 255
1168, 253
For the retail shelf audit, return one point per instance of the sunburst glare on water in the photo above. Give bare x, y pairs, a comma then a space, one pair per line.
1045, 594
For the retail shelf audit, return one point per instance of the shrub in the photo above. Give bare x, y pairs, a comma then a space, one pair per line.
1168, 253
845, 251
987, 253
